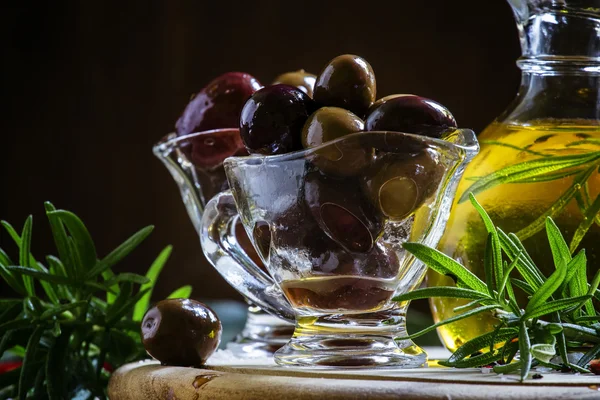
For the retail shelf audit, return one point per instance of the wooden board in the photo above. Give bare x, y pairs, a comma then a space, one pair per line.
232, 379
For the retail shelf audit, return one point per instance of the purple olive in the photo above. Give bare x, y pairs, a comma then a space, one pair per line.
272, 119
409, 114
217, 105
242, 238
301, 79
181, 332
348, 81
209, 149
381, 262
342, 212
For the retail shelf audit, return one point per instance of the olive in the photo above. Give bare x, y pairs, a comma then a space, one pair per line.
329, 123
209, 149
301, 79
381, 262
262, 238
348, 82
342, 212
345, 158
181, 332
398, 184
244, 241
409, 114
323, 254
218, 104
272, 119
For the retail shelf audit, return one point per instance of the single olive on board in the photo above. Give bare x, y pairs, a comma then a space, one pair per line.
409, 114
271, 121
301, 79
181, 332
397, 184
218, 104
348, 81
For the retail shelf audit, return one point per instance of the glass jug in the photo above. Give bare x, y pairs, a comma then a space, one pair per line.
540, 158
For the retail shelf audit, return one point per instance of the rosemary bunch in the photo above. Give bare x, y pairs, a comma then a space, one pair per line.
560, 316
75, 319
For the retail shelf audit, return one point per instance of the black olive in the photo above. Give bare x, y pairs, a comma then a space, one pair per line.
181, 332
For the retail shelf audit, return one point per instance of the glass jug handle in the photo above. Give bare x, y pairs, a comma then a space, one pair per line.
221, 248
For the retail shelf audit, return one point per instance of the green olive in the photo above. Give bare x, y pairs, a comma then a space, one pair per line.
348, 81
399, 184
329, 123
342, 158
301, 79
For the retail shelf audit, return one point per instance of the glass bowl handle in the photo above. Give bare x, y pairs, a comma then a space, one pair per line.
221, 248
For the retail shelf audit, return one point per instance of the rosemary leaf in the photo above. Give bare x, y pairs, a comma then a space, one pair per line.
27, 368
24, 260
120, 252
55, 311
546, 308
512, 146
506, 275
525, 356
526, 268
482, 342
593, 353
441, 291
59, 234
455, 318
558, 206
467, 306
588, 219
488, 265
14, 325
550, 177
507, 368
183, 292
55, 366
474, 361
547, 289
524, 286
529, 169
444, 265
11, 279
127, 277
558, 245
45, 276
152, 275
80, 235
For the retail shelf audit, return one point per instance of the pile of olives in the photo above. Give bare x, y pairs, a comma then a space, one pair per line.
353, 188
301, 110
291, 114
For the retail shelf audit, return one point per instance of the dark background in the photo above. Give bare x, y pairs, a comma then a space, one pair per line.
88, 87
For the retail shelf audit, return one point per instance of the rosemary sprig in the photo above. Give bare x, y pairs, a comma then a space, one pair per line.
548, 167
86, 320
559, 316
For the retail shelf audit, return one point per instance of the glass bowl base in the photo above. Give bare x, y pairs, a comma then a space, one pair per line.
262, 335
351, 341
